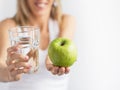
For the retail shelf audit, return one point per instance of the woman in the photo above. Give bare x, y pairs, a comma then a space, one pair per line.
47, 15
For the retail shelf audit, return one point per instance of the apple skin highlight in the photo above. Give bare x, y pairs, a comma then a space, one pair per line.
62, 52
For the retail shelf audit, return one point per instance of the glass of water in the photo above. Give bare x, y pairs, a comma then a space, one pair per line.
28, 37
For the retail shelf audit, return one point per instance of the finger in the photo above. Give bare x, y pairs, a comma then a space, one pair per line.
67, 70
19, 71
18, 57
19, 65
61, 71
13, 48
10, 51
9, 58
49, 67
55, 70
17, 77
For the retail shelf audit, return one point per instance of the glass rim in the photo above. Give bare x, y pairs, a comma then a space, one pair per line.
13, 29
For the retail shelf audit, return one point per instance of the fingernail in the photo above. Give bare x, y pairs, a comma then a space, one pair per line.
16, 48
26, 57
66, 72
59, 74
11, 52
28, 67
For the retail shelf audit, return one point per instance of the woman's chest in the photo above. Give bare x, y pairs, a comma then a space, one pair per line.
44, 40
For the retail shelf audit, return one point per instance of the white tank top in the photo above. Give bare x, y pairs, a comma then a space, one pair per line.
43, 79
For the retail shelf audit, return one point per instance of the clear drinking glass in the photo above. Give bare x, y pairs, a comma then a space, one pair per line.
28, 38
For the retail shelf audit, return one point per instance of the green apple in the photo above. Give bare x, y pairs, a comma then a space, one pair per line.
62, 52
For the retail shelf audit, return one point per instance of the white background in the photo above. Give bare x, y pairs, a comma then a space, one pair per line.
98, 41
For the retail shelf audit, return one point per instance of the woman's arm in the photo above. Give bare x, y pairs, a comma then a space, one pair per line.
67, 30
4, 75
8, 54
68, 27
4, 44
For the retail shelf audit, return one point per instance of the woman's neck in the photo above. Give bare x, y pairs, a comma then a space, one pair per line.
41, 22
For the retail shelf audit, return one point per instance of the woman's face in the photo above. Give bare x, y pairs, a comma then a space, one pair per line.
40, 7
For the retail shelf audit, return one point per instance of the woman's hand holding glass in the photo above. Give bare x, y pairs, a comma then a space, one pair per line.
17, 63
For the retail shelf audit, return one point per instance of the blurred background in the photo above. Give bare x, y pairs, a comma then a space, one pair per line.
98, 40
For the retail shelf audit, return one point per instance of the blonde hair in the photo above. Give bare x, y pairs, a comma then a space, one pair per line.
23, 12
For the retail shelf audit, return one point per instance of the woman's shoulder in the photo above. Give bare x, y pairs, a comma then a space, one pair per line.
7, 23
68, 21
68, 18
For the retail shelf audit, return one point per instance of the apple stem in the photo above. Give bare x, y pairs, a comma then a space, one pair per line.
62, 43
